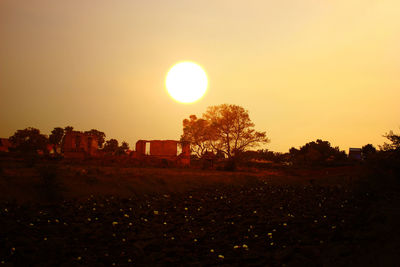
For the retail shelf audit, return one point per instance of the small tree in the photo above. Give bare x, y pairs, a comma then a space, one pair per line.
56, 137
367, 151
122, 148
111, 146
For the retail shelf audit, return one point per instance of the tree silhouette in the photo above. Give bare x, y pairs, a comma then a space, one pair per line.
317, 152
121, 150
197, 133
367, 151
225, 129
29, 140
111, 146
395, 142
124, 146
68, 129
99, 135
56, 137
232, 130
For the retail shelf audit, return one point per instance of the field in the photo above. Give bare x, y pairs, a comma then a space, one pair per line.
60, 213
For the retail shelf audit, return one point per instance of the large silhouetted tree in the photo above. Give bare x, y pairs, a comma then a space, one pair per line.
224, 128
29, 140
232, 131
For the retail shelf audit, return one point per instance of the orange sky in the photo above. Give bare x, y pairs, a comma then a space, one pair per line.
305, 69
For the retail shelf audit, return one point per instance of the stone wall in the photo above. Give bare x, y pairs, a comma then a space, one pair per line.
79, 145
163, 149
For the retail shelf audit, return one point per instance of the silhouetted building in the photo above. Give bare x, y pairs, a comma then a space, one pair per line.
355, 153
164, 150
79, 145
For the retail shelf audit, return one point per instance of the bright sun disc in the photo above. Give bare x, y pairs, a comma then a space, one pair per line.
186, 82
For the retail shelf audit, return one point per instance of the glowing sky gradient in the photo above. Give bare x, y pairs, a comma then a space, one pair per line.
305, 69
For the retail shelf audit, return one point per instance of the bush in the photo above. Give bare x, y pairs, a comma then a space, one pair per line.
317, 153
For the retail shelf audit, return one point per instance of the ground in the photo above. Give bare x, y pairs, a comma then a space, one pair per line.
60, 213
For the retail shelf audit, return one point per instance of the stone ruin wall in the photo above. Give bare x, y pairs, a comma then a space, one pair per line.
163, 149
79, 145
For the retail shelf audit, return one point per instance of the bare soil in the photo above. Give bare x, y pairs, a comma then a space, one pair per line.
63, 213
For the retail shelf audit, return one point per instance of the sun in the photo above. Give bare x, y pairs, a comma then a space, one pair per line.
186, 82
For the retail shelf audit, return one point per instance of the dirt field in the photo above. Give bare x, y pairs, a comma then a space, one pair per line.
58, 213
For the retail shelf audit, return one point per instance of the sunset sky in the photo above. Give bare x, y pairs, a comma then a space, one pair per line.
305, 69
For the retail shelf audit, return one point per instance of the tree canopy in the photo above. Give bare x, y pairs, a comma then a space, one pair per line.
68, 129
367, 151
395, 142
111, 145
29, 140
317, 152
196, 131
56, 136
99, 135
224, 128
124, 146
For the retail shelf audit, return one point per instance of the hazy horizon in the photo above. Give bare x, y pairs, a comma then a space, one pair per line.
304, 70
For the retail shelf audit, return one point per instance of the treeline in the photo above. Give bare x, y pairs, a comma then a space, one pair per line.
31, 140
321, 153
314, 153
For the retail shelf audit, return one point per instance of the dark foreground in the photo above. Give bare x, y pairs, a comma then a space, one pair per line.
254, 224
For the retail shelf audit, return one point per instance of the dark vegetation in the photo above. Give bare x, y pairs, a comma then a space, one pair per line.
316, 153
57, 212
309, 207
225, 130
30, 141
